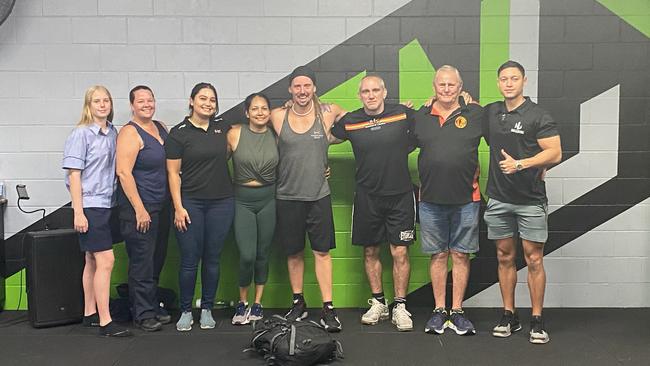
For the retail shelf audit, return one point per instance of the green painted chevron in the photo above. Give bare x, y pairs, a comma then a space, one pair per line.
634, 12
415, 74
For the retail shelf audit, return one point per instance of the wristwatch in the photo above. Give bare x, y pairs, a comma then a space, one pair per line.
518, 165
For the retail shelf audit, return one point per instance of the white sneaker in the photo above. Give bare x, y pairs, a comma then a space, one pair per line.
402, 318
185, 322
377, 312
206, 320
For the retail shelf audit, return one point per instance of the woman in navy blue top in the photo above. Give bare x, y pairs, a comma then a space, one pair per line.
89, 158
144, 206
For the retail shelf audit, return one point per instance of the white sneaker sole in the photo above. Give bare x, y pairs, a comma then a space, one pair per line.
539, 340
434, 330
185, 329
461, 332
507, 334
402, 328
374, 322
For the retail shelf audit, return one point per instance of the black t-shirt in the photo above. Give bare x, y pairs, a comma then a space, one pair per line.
517, 133
381, 146
448, 158
204, 154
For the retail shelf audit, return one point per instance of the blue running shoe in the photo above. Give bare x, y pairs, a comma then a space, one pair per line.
438, 322
459, 323
256, 312
241, 314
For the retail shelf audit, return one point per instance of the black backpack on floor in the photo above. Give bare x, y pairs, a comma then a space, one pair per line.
285, 342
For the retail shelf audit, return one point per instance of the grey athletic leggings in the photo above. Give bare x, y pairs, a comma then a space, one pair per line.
254, 227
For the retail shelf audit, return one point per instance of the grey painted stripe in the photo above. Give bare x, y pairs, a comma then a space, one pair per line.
524, 40
597, 160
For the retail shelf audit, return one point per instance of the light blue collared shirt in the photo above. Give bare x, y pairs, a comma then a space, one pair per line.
93, 152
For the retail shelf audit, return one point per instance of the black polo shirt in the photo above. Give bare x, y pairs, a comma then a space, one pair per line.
381, 147
517, 133
204, 154
448, 158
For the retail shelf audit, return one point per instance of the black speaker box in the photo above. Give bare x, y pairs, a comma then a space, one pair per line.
54, 266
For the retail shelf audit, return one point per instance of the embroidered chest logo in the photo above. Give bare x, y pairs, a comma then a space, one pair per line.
317, 134
517, 129
460, 122
217, 131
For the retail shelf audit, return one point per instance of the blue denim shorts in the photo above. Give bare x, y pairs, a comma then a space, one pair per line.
504, 220
449, 227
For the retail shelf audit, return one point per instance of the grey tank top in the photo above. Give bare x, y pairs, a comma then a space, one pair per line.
256, 157
303, 160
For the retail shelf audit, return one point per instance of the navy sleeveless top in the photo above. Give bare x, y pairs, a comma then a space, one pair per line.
150, 169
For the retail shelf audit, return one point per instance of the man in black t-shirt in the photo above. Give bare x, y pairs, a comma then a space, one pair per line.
384, 205
524, 141
448, 134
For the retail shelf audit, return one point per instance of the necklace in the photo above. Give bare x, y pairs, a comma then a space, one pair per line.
311, 108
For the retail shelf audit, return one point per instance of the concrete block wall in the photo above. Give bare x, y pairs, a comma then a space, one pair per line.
52, 50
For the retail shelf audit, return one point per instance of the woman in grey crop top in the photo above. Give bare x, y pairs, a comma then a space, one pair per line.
255, 158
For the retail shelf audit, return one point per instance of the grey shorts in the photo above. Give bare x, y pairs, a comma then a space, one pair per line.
504, 220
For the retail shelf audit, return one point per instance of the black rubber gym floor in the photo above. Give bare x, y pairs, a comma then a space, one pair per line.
578, 337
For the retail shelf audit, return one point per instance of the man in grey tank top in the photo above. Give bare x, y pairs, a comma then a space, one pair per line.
303, 195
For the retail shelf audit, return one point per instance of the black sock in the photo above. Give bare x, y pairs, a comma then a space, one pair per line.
379, 296
400, 300
328, 304
298, 297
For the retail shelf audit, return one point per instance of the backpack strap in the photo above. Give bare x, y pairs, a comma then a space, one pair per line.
292, 341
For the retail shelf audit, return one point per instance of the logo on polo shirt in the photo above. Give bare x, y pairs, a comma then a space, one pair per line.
461, 122
217, 131
517, 128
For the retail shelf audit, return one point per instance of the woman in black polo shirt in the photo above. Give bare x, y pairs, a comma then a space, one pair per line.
202, 195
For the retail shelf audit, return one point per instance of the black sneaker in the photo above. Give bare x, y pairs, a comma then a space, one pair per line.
91, 320
508, 324
329, 320
298, 311
163, 316
538, 334
148, 325
113, 330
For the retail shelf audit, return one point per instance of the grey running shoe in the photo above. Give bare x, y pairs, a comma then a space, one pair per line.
255, 312
185, 322
459, 323
438, 322
402, 318
298, 311
241, 314
538, 334
207, 322
378, 311
508, 324
329, 320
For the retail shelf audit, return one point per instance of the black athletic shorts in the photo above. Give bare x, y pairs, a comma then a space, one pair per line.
380, 219
297, 218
